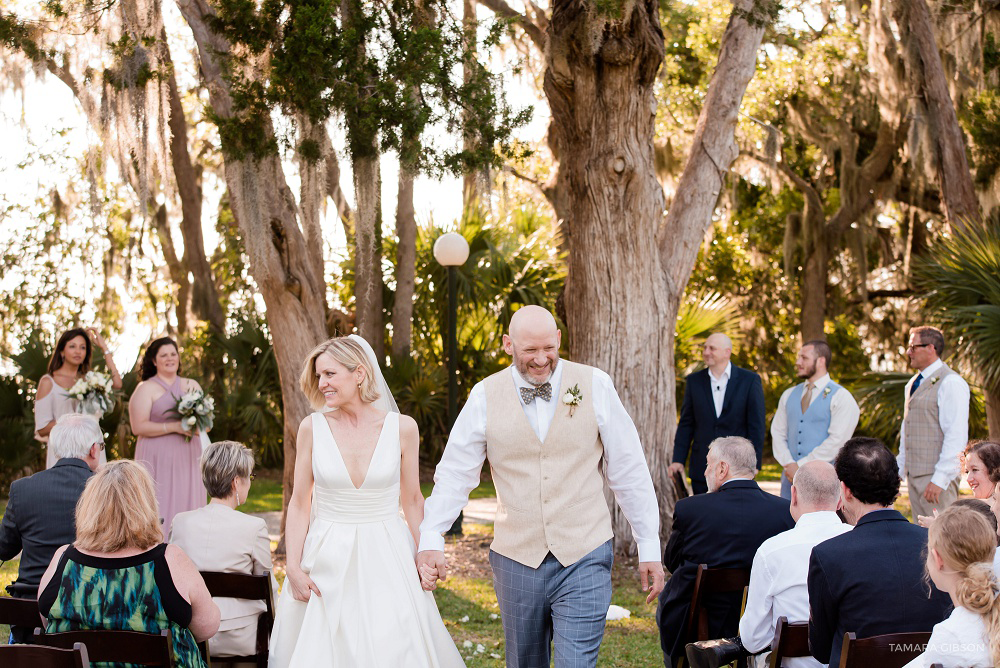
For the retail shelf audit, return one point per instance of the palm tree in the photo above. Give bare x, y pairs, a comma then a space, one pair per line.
960, 284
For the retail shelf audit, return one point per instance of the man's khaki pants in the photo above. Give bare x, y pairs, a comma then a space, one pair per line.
922, 506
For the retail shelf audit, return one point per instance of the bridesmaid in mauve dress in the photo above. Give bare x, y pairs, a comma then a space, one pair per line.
170, 453
69, 363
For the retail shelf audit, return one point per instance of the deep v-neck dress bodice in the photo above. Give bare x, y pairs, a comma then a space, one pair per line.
361, 555
335, 497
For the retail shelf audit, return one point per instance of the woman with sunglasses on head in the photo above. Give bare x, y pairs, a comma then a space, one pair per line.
70, 362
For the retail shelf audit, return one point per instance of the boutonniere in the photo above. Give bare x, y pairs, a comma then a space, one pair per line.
572, 398
826, 392
935, 379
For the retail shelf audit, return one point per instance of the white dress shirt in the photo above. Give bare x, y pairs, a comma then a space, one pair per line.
958, 642
778, 581
626, 471
719, 386
953, 416
844, 415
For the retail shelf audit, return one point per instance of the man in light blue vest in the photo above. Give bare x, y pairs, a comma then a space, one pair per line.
814, 418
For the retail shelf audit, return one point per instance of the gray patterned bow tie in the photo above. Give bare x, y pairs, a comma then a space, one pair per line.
528, 394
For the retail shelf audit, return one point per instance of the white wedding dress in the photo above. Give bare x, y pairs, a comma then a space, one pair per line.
359, 552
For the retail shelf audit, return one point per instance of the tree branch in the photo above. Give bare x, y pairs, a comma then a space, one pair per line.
532, 29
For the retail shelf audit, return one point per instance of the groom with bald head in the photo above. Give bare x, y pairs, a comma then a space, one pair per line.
546, 425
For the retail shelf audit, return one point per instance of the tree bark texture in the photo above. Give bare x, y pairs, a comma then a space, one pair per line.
279, 259
927, 78
406, 260
627, 266
992, 395
368, 253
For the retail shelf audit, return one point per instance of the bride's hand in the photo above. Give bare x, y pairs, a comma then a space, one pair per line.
302, 585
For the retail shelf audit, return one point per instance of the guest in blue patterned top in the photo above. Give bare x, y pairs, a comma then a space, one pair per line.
119, 576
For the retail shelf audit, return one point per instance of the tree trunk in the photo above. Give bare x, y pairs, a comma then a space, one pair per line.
993, 412
475, 182
368, 254
406, 259
204, 295
927, 77
278, 258
176, 269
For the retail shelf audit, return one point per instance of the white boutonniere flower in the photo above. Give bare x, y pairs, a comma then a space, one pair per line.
826, 391
935, 379
572, 398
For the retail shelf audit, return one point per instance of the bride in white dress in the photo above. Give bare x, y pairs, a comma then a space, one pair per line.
352, 596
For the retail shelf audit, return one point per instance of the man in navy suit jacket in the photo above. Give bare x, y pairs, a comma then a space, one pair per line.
722, 529
870, 580
39, 518
720, 400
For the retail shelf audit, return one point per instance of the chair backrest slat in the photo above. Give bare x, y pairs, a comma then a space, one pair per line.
147, 649
892, 650
19, 612
40, 656
791, 640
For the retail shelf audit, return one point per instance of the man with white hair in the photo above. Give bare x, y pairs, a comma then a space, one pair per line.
40, 512
720, 400
722, 529
779, 572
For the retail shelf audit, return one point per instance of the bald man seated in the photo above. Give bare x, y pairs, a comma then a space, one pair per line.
720, 400
780, 570
554, 433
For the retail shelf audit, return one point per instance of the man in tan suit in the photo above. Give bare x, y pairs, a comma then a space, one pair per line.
935, 426
546, 426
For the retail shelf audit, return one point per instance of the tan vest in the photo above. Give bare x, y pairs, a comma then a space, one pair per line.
923, 433
550, 496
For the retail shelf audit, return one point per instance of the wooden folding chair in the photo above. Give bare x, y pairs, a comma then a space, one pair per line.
892, 650
19, 612
39, 656
711, 581
145, 649
252, 587
791, 640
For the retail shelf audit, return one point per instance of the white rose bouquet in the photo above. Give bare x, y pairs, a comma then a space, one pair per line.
94, 392
196, 410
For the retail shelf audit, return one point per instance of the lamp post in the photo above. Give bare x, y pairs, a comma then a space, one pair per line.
451, 250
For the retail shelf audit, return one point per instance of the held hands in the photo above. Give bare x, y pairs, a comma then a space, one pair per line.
432, 566
302, 585
654, 570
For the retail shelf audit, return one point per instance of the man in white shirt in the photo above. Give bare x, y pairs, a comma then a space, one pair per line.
554, 432
935, 425
814, 418
781, 565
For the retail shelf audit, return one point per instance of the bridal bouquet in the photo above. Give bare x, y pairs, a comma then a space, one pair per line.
94, 392
196, 410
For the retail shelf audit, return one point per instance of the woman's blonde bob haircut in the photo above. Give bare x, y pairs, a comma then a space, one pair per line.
118, 510
348, 353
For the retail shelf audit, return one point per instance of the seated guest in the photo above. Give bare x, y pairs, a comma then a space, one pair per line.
118, 576
39, 515
723, 529
218, 537
870, 580
960, 549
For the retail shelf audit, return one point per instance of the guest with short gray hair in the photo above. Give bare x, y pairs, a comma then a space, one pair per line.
218, 537
722, 529
40, 512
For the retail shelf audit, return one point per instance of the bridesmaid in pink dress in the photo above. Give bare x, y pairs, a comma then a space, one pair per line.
170, 453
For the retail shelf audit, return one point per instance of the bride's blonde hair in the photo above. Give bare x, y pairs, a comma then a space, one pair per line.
348, 353
966, 543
